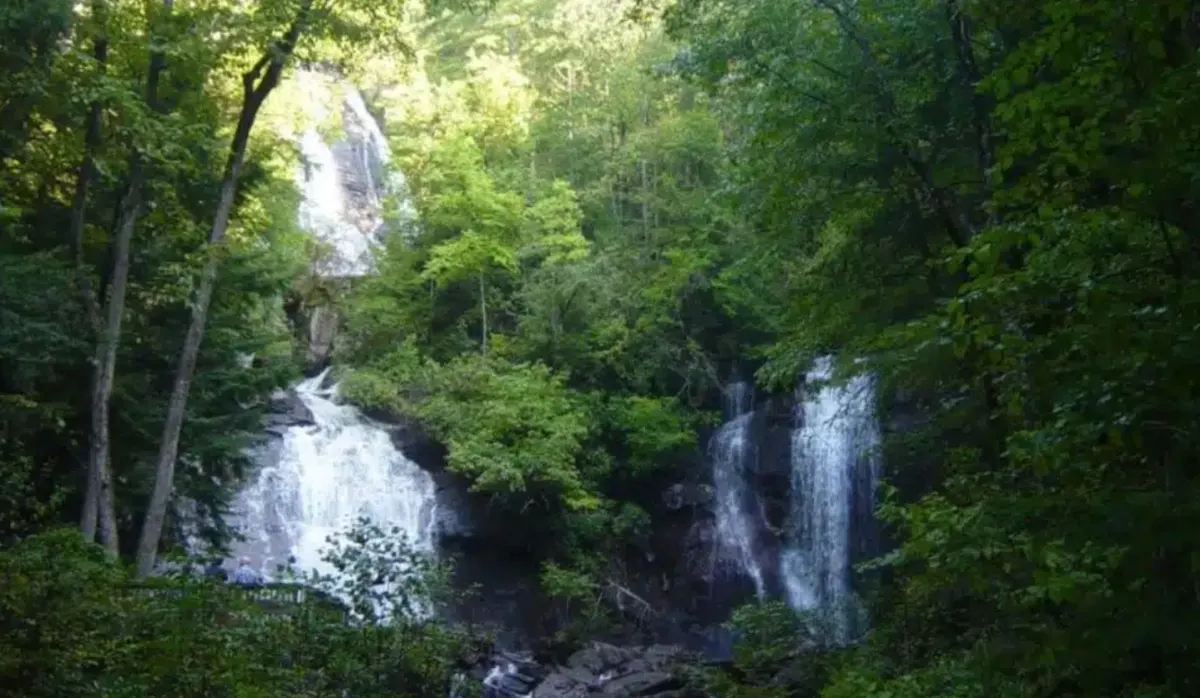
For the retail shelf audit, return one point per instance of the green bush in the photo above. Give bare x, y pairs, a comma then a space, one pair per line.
71, 624
777, 653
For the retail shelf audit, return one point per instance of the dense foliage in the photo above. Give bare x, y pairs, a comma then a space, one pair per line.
990, 206
550, 316
47, 336
130, 172
995, 203
73, 625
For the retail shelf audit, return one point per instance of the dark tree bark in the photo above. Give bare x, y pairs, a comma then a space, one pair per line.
83, 180
257, 85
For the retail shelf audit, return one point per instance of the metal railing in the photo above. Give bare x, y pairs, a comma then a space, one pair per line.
275, 596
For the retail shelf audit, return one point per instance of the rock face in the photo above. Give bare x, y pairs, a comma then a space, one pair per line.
322, 334
700, 581
287, 410
676, 592
597, 671
682, 495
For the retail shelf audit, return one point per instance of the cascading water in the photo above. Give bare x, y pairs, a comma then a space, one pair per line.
335, 465
730, 448
835, 436
325, 476
344, 187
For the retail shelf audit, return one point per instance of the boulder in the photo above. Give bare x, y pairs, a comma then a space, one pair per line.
599, 657
287, 410
561, 686
609, 670
512, 676
640, 683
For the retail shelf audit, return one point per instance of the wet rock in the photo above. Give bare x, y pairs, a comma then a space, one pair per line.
775, 502
322, 333
682, 495
641, 683
698, 550
600, 669
417, 444
287, 410
455, 515
518, 684
598, 658
561, 686
771, 435
512, 676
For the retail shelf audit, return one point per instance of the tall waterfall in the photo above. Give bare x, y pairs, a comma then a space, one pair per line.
730, 448
334, 465
344, 185
323, 477
836, 435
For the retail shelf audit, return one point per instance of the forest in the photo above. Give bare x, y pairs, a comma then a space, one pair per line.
610, 207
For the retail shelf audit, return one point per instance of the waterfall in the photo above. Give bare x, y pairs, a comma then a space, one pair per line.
344, 185
372, 147
730, 447
836, 434
323, 477
333, 465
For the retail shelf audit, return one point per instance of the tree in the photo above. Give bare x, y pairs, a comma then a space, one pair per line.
941, 184
564, 188
308, 22
257, 85
100, 486
98, 479
49, 349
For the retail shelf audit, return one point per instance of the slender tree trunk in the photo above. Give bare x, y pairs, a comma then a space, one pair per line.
531, 190
432, 307
960, 29
109, 340
257, 84
654, 195
87, 168
645, 203
483, 314
645, 166
105, 360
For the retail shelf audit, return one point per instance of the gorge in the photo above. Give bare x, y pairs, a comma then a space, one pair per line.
786, 498
677, 348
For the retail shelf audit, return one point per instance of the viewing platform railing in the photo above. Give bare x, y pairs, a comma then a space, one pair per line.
281, 597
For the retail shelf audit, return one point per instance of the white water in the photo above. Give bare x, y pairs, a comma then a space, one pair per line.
494, 683
836, 434
322, 211
324, 478
344, 186
730, 447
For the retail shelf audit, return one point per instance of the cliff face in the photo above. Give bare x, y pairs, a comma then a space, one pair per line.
682, 582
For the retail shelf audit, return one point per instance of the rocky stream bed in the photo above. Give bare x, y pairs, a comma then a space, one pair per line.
599, 670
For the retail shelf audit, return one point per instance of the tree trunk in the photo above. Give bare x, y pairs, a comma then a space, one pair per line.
257, 84
960, 29
87, 168
105, 361
483, 314
645, 203
531, 190
109, 341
